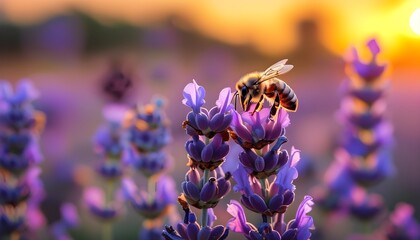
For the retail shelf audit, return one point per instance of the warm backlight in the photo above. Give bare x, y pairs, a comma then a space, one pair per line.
415, 21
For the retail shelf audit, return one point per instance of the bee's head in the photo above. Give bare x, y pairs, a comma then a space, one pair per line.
245, 97
246, 89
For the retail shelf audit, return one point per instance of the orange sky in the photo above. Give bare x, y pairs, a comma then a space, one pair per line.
268, 25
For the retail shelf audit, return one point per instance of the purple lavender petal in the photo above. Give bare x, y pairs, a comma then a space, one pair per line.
193, 175
217, 232
257, 127
258, 203
207, 153
276, 202
238, 223
211, 217
191, 190
288, 197
288, 172
194, 96
192, 231
225, 98
221, 151
239, 127
69, 214
290, 234
25, 92
242, 180
216, 121
226, 122
182, 230
273, 235
303, 223
6, 90
246, 159
223, 187
259, 164
373, 47
204, 233
202, 122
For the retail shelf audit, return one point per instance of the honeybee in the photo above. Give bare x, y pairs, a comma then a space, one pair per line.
256, 86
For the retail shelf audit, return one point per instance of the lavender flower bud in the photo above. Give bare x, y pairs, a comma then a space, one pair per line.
208, 191
191, 191
193, 176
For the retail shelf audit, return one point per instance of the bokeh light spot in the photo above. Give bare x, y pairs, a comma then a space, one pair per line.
415, 21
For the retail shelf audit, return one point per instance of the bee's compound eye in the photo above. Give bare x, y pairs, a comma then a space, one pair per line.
244, 91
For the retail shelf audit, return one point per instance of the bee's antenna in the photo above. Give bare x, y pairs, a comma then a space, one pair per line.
235, 96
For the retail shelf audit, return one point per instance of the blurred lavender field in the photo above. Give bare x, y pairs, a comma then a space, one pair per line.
72, 57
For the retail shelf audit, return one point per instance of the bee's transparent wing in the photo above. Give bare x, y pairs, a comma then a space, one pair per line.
276, 69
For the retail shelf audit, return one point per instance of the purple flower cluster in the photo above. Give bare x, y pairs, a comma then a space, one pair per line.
21, 190
364, 156
264, 178
148, 129
109, 141
201, 121
205, 183
148, 133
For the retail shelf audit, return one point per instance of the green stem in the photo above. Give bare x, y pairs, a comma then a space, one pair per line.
151, 189
264, 195
107, 226
263, 188
204, 216
204, 212
107, 230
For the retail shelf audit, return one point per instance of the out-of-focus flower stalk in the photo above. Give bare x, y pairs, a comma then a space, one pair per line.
110, 144
148, 134
21, 189
364, 157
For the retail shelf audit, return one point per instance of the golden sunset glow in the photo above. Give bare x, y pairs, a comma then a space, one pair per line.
415, 21
270, 26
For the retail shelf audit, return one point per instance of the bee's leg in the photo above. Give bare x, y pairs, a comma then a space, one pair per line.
275, 108
259, 105
236, 98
